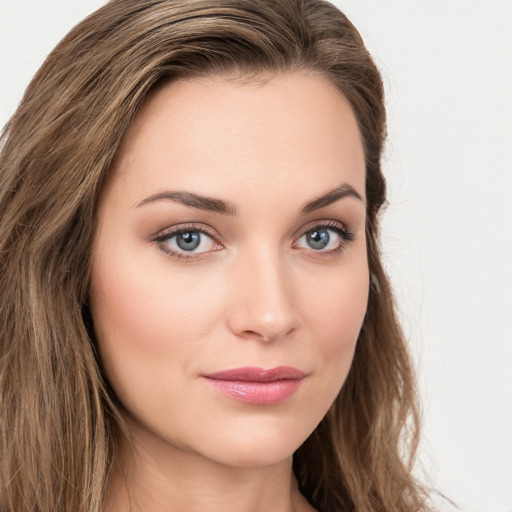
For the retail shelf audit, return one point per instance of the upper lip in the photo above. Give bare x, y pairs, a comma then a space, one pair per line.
254, 374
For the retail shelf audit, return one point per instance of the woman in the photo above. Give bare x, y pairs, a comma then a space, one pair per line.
195, 315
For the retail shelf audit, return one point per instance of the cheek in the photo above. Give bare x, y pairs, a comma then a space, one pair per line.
337, 308
148, 326
148, 305
336, 313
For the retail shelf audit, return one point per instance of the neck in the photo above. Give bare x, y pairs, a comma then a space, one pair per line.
168, 479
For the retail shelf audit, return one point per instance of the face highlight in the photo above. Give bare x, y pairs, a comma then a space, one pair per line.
230, 275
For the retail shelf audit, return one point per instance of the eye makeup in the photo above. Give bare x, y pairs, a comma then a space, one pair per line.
320, 240
195, 241
167, 241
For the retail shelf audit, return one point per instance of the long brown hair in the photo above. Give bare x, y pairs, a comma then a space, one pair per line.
59, 420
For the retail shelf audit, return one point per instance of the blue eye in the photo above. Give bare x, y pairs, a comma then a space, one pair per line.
325, 238
318, 238
187, 242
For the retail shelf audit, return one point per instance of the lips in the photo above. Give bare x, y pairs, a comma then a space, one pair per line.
257, 385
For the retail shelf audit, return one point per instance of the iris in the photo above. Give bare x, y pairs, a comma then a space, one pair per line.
318, 238
188, 241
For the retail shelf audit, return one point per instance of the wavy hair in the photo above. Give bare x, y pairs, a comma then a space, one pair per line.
59, 420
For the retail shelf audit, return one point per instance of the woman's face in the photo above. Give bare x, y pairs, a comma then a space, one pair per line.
230, 274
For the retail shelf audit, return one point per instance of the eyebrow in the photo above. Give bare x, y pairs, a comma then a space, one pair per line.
332, 196
228, 208
195, 201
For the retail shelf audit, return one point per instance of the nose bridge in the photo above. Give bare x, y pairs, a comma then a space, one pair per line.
262, 301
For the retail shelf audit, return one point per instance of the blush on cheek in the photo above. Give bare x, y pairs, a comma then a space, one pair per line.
340, 318
340, 307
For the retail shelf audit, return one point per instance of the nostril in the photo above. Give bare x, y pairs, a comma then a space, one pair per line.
264, 308
266, 336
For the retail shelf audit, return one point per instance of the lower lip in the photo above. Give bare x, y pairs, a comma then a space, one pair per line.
260, 393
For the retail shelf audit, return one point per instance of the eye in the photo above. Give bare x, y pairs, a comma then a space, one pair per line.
187, 242
325, 238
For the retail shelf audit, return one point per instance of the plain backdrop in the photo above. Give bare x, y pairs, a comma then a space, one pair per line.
447, 67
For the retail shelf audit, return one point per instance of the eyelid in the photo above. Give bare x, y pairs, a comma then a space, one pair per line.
165, 234
346, 236
343, 232
322, 223
187, 226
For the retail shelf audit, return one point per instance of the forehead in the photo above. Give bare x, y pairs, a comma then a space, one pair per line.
221, 136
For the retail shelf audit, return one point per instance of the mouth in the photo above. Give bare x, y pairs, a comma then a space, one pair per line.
257, 385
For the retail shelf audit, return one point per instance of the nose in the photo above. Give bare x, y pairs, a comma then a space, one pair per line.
262, 298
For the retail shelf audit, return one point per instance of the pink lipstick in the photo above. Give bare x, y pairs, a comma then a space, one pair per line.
257, 385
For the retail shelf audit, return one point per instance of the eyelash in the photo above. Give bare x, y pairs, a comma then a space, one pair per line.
167, 234
345, 237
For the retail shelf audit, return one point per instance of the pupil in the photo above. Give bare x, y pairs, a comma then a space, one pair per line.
318, 239
188, 241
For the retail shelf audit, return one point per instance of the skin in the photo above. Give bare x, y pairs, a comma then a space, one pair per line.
255, 293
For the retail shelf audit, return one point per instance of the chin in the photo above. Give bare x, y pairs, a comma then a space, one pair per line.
254, 455
257, 445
